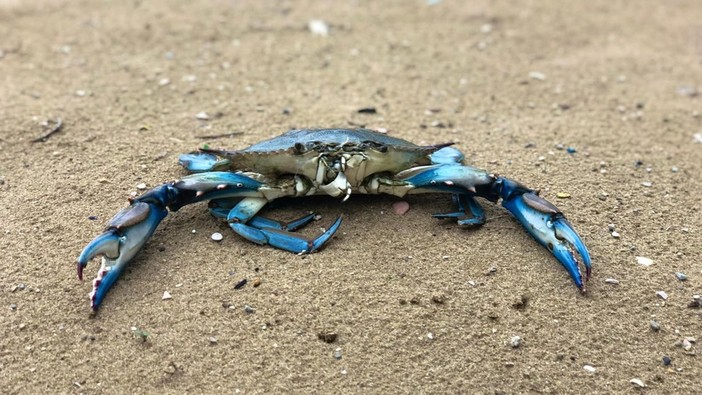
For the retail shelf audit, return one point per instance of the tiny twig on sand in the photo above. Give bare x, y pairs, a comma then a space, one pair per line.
216, 136
58, 124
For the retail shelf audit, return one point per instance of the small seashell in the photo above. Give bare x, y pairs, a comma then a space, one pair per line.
612, 281
589, 368
216, 236
318, 27
203, 116
166, 295
642, 260
681, 276
637, 382
535, 75
662, 294
616, 234
563, 195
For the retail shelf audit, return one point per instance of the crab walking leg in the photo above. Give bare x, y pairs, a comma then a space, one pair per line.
465, 204
240, 220
220, 208
542, 220
129, 230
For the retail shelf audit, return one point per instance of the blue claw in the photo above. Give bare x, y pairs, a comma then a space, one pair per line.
126, 234
548, 226
285, 240
199, 162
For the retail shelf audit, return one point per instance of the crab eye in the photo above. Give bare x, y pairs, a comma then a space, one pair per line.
299, 148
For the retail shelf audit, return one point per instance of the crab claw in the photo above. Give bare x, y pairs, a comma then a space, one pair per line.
126, 234
548, 226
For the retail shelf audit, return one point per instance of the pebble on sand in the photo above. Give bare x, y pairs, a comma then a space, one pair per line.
166, 295
637, 382
655, 326
318, 27
590, 368
401, 207
642, 260
536, 75
515, 341
216, 236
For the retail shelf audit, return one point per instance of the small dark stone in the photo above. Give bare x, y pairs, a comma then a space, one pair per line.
667, 360
240, 284
438, 299
403, 302
367, 110
93, 217
414, 301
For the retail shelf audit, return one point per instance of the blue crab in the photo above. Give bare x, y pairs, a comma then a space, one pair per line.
336, 162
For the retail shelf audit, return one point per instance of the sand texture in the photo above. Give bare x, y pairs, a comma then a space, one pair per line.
395, 303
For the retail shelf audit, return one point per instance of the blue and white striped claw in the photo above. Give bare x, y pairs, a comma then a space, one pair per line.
126, 234
548, 226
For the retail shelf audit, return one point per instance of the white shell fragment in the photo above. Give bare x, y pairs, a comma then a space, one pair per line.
536, 75
642, 260
318, 27
166, 295
686, 345
662, 294
589, 368
612, 281
141, 186
637, 382
216, 236
203, 116
515, 341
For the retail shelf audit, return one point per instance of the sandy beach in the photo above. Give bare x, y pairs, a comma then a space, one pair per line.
595, 101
